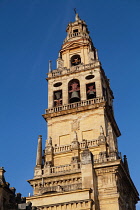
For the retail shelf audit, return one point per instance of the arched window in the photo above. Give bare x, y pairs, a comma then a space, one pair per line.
74, 91
75, 60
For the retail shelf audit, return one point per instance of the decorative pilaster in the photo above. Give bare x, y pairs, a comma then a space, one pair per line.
102, 136
49, 153
75, 149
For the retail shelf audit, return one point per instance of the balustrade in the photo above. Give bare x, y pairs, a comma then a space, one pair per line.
63, 168
64, 71
62, 148
76, 34
101, 158
68, 147
90, 143
75, 105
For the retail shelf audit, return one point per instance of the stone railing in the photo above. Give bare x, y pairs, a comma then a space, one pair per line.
80, 67
62, 148
76, 167
82, 144
75, 105
76, 34
62, 169
90, 143
101, 158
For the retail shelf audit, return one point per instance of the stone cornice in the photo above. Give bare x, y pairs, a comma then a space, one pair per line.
53, 175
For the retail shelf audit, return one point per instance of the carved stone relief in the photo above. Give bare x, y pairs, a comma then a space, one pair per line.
75, 125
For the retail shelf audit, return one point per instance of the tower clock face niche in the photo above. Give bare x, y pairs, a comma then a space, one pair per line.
75, 60
81, 167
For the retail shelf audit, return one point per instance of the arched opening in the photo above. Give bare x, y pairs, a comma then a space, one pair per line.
91, 90
75, 60
57, 98
75, 31
74, 91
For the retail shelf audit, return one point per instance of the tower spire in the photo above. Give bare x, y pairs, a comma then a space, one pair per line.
39, 151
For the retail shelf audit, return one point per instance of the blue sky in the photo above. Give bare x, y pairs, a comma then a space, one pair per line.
32, 32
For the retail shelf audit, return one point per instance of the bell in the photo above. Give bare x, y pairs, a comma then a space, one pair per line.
91, 94
58, 95
74, 97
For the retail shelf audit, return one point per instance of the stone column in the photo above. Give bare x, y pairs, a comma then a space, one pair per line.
38, 168
39, 151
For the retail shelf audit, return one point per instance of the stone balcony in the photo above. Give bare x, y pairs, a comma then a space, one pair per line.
78, 68
68, 168
102, 158
76, 105
76, 34
76, 167
82, 144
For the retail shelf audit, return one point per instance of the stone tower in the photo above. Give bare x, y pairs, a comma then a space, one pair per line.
81, 167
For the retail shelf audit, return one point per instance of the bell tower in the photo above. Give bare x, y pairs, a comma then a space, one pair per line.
81, 167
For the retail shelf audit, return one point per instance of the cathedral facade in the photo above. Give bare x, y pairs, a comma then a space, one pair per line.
80, 167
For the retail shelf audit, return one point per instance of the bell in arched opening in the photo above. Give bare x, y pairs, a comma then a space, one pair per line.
91, 92
91, 95
74, 91
58, 95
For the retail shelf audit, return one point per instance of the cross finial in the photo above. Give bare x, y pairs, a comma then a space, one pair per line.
75, 10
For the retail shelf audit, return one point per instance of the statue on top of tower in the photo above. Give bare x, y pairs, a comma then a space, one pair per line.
76, 15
